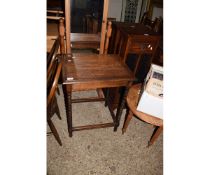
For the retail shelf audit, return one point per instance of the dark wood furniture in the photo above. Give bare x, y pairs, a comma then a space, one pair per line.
155, 25
152, 4
132, 38
52, 106
85, 72
132, 102
146, 19
79, 41
85, 41
52, 55
90, 24
138, 40
158, 58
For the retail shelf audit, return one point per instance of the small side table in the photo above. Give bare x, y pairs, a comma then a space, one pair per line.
132, 102
94, 71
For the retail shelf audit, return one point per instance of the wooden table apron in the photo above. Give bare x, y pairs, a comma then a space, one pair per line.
132, 34
86, 72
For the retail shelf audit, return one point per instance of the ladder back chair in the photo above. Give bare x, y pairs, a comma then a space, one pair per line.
157, 25
105, 50
52, 57
52, 106
145, 19
82, 72
136, 44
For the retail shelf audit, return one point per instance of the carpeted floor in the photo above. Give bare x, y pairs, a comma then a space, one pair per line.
102, 151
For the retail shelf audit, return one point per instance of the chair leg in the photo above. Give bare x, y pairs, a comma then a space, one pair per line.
100, 93
107, 97
57, 111
54, 131
58, 91
127, 121
155, 135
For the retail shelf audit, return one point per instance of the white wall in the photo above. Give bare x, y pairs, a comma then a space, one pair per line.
138, 11
157, 12
116, 6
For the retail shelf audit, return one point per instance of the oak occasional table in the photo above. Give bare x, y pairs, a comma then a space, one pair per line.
132, 102
86, 72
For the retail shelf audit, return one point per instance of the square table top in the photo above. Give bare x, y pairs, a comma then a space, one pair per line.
90, 71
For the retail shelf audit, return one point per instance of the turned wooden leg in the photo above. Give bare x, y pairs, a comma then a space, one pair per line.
127, 121
100, 93
57, 111
58, 91
107, 97
120, 107
116, 41
155, 135
54, 131
68, 105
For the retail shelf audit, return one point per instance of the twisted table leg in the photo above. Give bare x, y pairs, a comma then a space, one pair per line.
121, 106
68, 105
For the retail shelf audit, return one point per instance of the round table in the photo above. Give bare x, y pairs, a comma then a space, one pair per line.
132, 102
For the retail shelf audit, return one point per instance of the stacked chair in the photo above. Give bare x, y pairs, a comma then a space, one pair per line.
53, 74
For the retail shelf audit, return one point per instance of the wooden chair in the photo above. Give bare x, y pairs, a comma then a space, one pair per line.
52, 57
105, 49
108, 35
146, 20
54, 14
144, 47
87, 72
157, 25
52, 106
140, 46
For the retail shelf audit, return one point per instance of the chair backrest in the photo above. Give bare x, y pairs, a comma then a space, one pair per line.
52, 80
54, 14
52, 106
52, 55
142, 45
157, 25
108, 35
145, 19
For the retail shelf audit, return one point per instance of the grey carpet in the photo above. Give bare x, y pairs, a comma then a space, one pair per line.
102, 151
